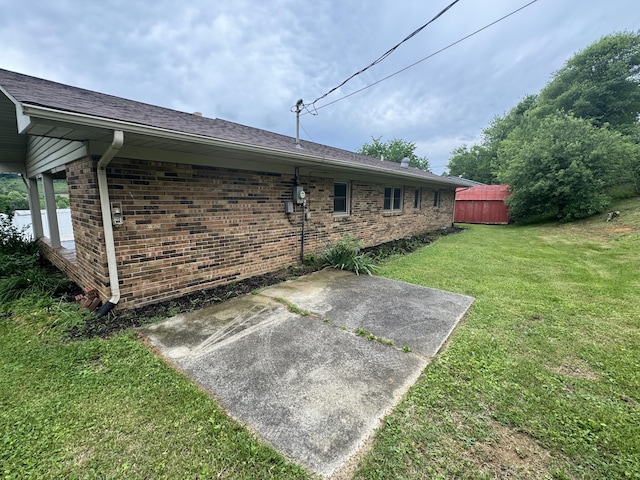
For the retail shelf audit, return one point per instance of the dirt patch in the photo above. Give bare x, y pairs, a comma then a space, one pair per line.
619, 229
575, 368
82, 457
514, 455
629, 401
347, 470
119, 320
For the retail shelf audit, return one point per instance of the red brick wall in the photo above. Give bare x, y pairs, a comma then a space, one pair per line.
367, 220
190, 227
86, 219
63, 259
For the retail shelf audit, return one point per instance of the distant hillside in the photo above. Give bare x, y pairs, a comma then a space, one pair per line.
13, 193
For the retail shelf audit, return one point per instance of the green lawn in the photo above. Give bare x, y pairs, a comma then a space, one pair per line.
540, 380
112, 409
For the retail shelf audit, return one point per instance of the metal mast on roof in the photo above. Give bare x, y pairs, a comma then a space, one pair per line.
299, 105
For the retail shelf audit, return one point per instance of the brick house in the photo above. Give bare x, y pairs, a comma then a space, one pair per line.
164, 202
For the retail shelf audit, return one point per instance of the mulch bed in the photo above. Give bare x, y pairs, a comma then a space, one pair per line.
408, 244
120, 320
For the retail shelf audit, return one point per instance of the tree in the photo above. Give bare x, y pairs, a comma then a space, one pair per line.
593, 103
394, 151
13, 201
600, 83
472, 163
559, 167
631, 170
62, 202
480, 162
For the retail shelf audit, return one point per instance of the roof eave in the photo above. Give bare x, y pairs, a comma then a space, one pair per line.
29, 113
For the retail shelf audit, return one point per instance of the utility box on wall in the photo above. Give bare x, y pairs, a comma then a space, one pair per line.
299, 194
288, 207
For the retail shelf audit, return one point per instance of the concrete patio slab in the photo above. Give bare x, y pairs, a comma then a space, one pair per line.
312, 388
419, 317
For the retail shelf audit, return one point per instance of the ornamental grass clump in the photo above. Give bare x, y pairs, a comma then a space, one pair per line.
345, 254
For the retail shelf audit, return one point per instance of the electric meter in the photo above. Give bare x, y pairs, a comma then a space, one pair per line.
299, 195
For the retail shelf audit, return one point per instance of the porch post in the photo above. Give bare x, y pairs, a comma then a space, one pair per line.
34, 207
50, 205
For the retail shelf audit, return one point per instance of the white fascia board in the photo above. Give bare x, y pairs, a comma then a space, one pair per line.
24, 121
297, 158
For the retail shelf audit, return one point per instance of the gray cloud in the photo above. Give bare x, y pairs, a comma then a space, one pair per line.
249, 61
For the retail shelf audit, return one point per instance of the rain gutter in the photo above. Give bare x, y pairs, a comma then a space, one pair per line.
105, 207
297, 157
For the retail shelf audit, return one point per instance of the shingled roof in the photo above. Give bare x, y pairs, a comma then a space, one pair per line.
28, 90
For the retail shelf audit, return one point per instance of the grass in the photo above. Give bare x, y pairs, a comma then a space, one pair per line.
539, 381
361, 332
111, 409
292, 307
542, 379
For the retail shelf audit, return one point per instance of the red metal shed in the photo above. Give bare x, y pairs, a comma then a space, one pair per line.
482, 204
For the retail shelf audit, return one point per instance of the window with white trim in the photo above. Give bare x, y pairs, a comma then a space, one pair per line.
341, 198
392, 199
417, 198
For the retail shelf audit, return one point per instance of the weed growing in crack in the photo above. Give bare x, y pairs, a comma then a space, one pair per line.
300, 311
361, 332
293, 307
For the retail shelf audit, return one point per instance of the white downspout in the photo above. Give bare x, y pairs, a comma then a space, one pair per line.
105, 207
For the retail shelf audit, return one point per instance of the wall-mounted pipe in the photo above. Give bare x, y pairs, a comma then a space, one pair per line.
105, 207
304, 205
304, 212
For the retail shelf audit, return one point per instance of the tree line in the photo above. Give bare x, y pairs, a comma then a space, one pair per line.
13, 194
567, 150
395, 150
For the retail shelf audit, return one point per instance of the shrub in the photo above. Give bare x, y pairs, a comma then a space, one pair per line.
34, 279
312, 260
20, 269
345, 254
14, 264
13, 240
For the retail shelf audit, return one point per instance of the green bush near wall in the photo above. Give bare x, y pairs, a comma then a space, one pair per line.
345, 254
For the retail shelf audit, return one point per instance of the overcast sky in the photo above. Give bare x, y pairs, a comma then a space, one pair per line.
249, 61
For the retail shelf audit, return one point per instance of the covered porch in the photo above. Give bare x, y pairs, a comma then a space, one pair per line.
40, 161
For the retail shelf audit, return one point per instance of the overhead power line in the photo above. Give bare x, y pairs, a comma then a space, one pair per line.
413, 64
384, 55
305, 131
